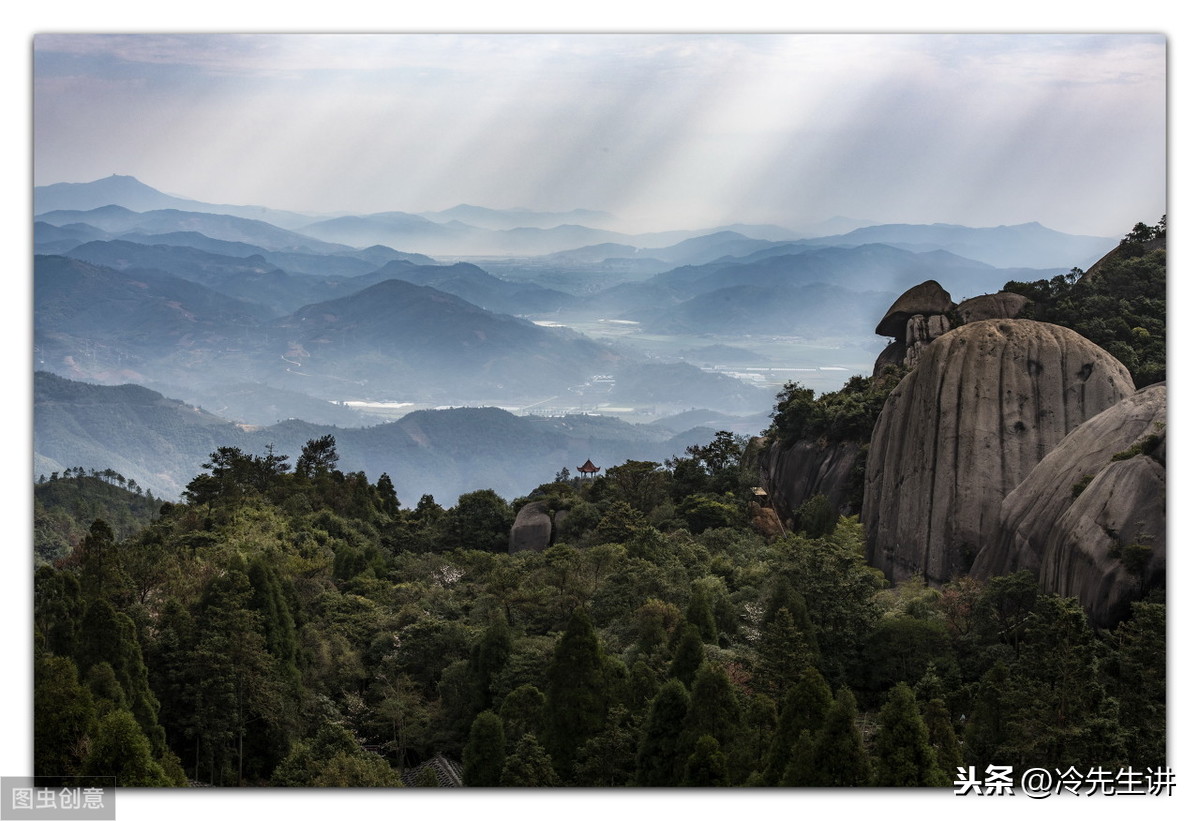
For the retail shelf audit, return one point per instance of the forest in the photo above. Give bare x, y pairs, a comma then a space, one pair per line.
294, 626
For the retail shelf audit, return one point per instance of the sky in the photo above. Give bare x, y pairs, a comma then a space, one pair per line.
664, 130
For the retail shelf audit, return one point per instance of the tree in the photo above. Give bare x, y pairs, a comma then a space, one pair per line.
841, 760
659, 763
576, 697
905, 757
317, 457
63, 717
122, 751
488, 658
942, 737
804, 710
689, 655
607, 759
707, 765
483, 757
714, 709
481, 521
332, 758
529, 766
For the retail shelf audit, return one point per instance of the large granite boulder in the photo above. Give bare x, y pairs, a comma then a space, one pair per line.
1003, 305
532, 530
1081, 517
985, 403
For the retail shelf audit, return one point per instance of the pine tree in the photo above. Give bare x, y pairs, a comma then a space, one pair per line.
904, 756
576, 697
607, 759
942, 737
700, 613
522, 712
689, 655
804, 710
783, 653
714, 711
111, 637
488, 658
841, 760
529, 766
483, 757
707, 765
659, 763
121, 750
801, 768
63, 717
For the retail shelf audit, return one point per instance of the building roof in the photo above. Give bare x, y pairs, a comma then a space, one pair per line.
588, 467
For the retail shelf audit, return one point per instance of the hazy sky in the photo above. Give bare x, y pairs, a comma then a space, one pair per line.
671, 130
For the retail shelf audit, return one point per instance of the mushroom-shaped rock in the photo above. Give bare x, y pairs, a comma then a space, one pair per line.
927, 299
1090, 518
532, 530
986, 402
1003, 305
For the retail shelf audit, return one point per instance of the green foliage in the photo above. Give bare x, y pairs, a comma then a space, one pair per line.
483, 757
706, 766
904, 755
803, 714
64, 717
576, 691
841, 760
608, 759
1121, 306
276, 627
689, 655
529, 766
816, 517
659, 761
333, 759
121, 750
846, 414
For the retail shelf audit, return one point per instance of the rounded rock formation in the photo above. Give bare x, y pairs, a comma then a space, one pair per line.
532, 530
1076, 512
985, 403
1003, 305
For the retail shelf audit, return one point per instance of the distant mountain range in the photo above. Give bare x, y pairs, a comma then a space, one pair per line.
277, 318
473, 230
160, 442
389, 338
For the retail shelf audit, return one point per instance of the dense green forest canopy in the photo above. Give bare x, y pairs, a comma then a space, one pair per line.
296, 626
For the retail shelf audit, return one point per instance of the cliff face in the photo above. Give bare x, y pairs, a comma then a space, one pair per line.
796, 473
985, 403
1086, 524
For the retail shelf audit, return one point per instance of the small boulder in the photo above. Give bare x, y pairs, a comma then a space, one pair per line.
532, 530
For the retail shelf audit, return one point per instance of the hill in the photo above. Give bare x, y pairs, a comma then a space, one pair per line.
160, 443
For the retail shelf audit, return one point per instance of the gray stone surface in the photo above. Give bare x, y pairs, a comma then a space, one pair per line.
792, 475
1003, 305
532, 530
925, 299
1064, 537
985, 403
